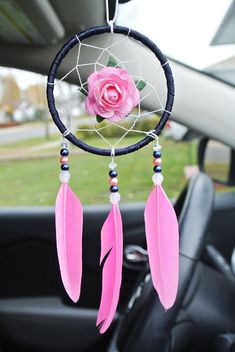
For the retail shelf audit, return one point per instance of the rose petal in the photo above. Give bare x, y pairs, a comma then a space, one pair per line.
112, 93
89, 107
125, 109
102, 112
136, 98
115, 118
92, 78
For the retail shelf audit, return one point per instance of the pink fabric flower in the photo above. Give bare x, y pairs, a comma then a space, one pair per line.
112, 94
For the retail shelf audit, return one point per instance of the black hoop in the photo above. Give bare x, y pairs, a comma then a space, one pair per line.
64, 51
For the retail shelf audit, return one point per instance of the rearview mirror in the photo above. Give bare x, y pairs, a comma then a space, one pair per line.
217, 160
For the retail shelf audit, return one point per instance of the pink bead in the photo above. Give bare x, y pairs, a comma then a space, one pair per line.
157, 161
113, 181
64, 160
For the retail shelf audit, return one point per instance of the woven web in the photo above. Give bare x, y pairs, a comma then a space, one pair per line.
92, 55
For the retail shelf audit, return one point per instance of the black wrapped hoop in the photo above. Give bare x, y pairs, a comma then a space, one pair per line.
137, 36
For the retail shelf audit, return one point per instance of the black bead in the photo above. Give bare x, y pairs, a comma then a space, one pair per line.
157, 168
113, 173
157, 154
114, 189
64, 152
65, 167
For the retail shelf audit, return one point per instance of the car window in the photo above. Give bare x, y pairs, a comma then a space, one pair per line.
30, 145
197, 46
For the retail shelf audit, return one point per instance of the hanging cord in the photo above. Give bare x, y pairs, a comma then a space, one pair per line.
112, 154
112, 165
153, 135
109, 21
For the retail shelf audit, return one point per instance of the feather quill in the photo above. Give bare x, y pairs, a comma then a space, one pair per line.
69, 222
111, 258
163, 245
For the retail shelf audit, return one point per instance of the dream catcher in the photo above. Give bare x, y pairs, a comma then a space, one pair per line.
126, 72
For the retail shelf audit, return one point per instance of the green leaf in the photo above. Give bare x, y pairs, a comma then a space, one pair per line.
112, 62
140, 84
99, 118
83, 91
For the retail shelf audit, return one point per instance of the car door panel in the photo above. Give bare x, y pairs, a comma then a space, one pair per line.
33, 304
47, 324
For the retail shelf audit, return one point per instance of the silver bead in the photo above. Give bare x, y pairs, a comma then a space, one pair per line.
112, 165
157, 147
115, 197
64, 176
157, 178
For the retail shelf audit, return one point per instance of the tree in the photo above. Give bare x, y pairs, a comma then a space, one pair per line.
35, 94
10, 97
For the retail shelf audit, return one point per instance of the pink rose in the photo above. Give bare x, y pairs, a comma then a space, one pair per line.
112, 94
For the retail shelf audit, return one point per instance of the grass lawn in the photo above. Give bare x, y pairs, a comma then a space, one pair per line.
36, 182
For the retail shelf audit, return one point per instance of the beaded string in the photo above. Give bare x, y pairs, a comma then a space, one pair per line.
113, 181
157, 161
64, 161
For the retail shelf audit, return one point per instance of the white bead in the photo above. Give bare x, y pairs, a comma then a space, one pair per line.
112, 165
115, 197
64, 176
157, 178
157, 147
64, 145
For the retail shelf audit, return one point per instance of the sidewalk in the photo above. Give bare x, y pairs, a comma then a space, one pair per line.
45, 150
23, 132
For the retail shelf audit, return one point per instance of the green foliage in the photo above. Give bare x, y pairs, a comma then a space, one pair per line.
145, 124
140, 84
99, 118
84, 91
112, 62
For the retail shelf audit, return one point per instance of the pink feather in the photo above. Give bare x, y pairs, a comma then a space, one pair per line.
69, 221
163, 245
111, 254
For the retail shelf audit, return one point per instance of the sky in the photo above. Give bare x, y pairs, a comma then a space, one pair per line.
23, 78
183, 29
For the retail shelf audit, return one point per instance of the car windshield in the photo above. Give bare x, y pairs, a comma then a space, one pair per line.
203, 35
29, 140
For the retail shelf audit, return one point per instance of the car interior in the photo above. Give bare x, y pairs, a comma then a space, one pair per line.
35, 313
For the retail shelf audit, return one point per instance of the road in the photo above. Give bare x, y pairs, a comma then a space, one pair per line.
29, 130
